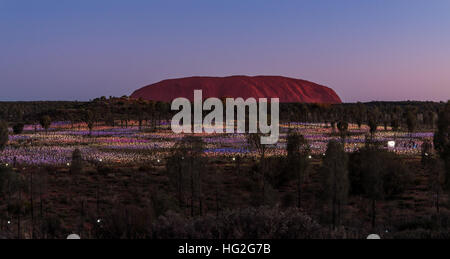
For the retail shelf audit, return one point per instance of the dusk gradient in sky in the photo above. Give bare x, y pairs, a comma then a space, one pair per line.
365, 50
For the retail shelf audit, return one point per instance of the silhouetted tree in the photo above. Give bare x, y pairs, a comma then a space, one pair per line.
109, 119
4, 135
139, 111
45, 122
373, 119
372, 177
9, 182
411, 121
76, 166
297, 160
18, 128
442, 141
343, 128
386, 120
333, 126
335, 178
185, 167
89, 119
359, 113
41, 184
394, 123
178, 178
254, 142
436, 180
372, 126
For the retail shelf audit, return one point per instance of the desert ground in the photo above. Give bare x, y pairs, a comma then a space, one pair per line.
123, 188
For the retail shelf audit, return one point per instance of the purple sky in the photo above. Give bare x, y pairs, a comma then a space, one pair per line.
364, 50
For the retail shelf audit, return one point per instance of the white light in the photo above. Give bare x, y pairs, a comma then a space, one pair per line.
100, 160
7, 164
373, 236
68, 164
99, 220
9, 222
309, 157
323, 154
73, 236
391, 144
234, 158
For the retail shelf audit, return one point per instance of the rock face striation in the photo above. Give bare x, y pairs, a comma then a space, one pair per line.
288, 90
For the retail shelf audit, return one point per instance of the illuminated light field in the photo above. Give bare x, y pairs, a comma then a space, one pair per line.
131, 146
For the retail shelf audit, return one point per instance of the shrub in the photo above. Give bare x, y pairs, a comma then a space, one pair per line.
396, 175
77, 162
18, 128
249, 223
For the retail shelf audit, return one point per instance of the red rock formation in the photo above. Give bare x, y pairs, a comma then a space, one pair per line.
288, 90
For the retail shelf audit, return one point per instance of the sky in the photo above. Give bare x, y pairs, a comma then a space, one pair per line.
385, 50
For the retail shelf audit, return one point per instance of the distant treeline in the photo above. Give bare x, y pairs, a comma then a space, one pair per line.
121, 110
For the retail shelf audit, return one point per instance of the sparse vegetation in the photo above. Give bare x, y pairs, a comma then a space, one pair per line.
215, 187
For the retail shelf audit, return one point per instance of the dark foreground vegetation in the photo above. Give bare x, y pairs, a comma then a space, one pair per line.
188, 195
